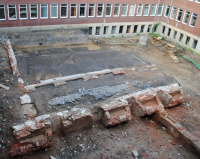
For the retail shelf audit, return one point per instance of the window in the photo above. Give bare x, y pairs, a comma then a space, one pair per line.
135, 29
132, 10
179, 14
169, 32
163, 29
146, 9
180, 37
174, 35
167, 11
64, 11
23, 11
116, 10
197, 1
2, 12
91, 10
187, 40
113, 30
160, 9
100, 10
139, 10
149, 28
121, 29
194, 44
98, 31
12, 12
73, 10
124, 9
142, 28
186, 17
44, 11
106, 28
153, 10
90, 30
108, 10
82, 10
54, 10
193, 19
155, 29
173, 12
34, 11
128, 30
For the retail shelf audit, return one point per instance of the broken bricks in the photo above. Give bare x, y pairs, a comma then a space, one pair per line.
116, 113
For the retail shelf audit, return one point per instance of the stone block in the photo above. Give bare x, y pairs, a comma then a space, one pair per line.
116, 113
80, 119
143, 40
29, 111
147, 102
31, 144
25, 99
170, 95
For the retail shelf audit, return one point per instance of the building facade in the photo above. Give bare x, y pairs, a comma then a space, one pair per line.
179, 18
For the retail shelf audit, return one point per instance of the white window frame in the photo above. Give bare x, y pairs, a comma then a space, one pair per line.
57, 10
110, 10
26, 12
166, 10
161, 11
99, 31
15, 12
193, 43
148, 11
89, 9
65, 7
184, 17
4, 11
173, 35
41, 12
178, 13
155, 9
191, 20
179, 37
196, 1
118, 10
102, 9
37, 11
134, 10
85, 10
186, 39
141, 10
171, 13
126, 10
71, 10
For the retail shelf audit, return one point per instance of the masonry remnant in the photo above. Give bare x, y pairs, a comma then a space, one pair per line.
156, 41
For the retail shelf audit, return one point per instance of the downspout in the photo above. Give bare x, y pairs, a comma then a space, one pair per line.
168, 18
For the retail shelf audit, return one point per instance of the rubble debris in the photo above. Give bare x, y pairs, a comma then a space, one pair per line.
13, 61
135, 153
20, 81
32, 144
170, 95
32, 88
170, 48
156, 41
79, 121
116, 113
98, 93
143, 40
5, 87
25, 99
132, 40
29, 111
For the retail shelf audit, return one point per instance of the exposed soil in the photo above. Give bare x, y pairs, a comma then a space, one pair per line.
141, 134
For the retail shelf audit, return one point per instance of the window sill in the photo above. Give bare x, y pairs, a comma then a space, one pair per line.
63, 17
99, 16
138, 15
108, 16
82, 16
73, 17
152, 15
54, 17
131, 15
33, 18
90, 16
44, 18
2, 19
184, 23
13, 19
145, 15
123, 15
191, 26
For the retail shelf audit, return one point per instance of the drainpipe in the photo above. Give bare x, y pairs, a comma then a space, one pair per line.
156, 13
168, 17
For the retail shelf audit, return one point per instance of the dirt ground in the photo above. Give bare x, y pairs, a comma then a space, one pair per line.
141, 134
